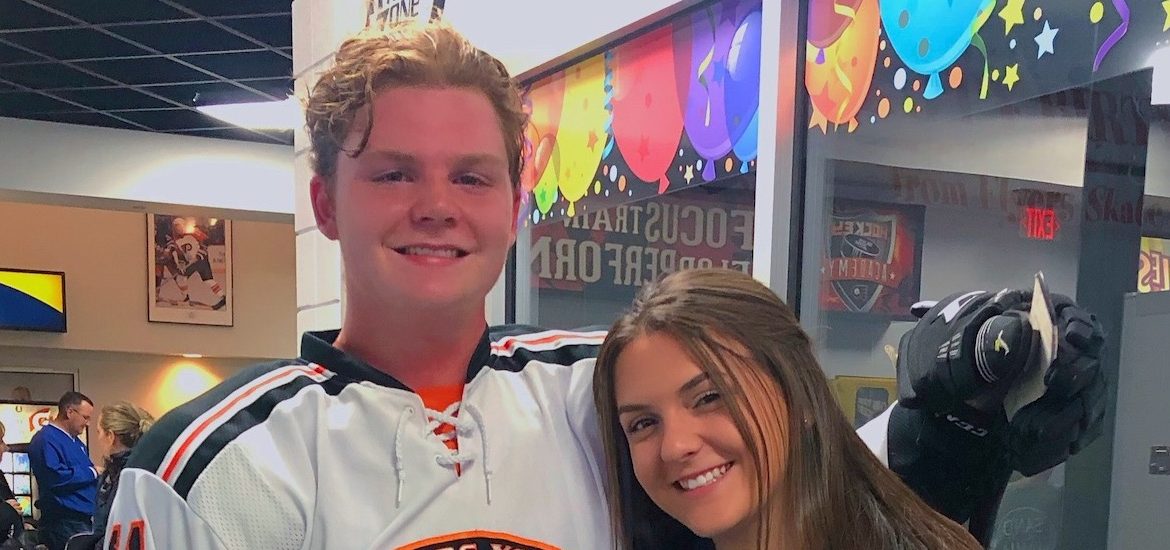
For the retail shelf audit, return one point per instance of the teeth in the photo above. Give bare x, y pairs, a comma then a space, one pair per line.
437, 252
702, 480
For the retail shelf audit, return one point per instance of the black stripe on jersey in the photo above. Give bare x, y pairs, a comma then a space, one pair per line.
248, 418
562, 355
148, 454
150, 451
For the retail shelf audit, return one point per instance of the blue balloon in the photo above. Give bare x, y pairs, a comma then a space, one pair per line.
929, 36
741, 92
748, 145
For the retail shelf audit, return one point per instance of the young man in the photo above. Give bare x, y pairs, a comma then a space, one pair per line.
413, 426
66, 477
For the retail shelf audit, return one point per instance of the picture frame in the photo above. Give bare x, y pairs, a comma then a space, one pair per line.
189, 269
873, 262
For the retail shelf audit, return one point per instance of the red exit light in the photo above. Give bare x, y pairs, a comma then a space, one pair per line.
1040, 223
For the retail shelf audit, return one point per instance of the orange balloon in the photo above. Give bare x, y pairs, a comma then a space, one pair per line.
839, 83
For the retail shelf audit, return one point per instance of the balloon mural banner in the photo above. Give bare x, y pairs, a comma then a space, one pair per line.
672, 108
609, 253
869, 61
873, 262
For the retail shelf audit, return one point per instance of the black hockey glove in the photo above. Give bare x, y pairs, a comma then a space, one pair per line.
950, 438
1071, 412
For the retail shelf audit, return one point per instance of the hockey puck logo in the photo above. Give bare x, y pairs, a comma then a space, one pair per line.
861, 247
478, 540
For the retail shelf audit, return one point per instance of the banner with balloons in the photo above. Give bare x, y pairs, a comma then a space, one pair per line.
873, 60
668, 109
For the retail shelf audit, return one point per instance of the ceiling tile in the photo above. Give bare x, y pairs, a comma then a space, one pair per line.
244, 65
86, 119
172, 119
25, 103
153, 70
10, 54
19, 15
115, 12
49, 75
185, 37
275, 30
237, 7
113, 98
74, 44
215, 93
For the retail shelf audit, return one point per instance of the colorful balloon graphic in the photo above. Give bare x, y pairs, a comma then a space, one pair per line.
544, 104
838, 75
930, 36
827, 20
581, 136
741, 92
647, 112
706, 114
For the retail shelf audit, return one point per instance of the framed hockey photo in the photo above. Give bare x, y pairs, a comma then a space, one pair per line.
189, 269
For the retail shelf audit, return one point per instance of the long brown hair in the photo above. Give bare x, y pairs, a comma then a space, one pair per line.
819, 485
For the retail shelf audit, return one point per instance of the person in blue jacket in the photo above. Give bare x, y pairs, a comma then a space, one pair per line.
66, 477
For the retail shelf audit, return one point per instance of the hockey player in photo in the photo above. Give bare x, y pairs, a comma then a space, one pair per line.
187, 275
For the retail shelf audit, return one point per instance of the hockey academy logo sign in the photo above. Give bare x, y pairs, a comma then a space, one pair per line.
873, 258
478, 540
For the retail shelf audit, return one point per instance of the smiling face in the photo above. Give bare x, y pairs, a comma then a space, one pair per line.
686, 451
426, 213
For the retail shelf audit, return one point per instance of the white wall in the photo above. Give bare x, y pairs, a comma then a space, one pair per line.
524, 34
129, 165
103, 254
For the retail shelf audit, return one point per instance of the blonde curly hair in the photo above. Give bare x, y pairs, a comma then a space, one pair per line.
409, 54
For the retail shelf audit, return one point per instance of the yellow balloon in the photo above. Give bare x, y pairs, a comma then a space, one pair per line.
582, 134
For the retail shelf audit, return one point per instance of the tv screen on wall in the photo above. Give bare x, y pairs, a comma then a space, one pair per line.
32, 300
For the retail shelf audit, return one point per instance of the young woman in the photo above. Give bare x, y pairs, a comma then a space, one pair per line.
720, 427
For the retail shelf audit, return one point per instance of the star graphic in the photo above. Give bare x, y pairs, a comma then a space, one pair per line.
689, 174
1166, 25
592, 140
1044, 39
1011, 76
1012, 15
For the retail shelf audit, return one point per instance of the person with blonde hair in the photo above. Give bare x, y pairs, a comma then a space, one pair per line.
120, 426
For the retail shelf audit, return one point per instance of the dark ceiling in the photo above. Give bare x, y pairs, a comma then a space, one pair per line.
144, 64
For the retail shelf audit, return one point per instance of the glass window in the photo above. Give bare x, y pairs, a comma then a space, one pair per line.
641, 161
968, 145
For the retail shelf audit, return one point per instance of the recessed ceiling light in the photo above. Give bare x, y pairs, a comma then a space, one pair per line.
260, 115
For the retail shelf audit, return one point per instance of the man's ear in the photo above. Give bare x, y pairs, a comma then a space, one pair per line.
324, 207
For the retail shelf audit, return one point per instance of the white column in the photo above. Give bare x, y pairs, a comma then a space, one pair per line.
318, 28
775, 181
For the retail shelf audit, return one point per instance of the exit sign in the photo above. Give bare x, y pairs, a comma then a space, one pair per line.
1040, 224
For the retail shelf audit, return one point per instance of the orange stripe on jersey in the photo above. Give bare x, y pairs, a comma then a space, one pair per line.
508, 343
259, 384
479, 536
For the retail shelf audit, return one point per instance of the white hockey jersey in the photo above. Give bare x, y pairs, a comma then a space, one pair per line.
329, 453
